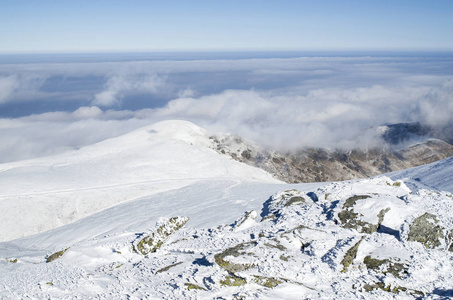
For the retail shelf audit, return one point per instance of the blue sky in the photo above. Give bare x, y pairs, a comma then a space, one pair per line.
106, 26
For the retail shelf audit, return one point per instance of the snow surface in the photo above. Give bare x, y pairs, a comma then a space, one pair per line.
302, 248
437, 175
286, 241
45, 193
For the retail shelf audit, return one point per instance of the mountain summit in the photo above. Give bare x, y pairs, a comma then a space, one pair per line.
64, 188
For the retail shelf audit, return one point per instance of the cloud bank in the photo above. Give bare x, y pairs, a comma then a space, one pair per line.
120, 85
284, 104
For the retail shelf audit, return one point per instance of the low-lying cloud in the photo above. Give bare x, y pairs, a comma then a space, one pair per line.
8, 84
15, 87
118, 86
322, 118
284, 104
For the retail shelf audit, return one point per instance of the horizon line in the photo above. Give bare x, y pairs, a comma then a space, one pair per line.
151, 51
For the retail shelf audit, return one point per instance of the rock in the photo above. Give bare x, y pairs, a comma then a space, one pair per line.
165, 269
450, 241
425, 230
268, 282
246, 154
350, 256
392, 289
248, 218
233, 280
56, 255
350, 219
191, 286
318, 164
273, 206
155, 240
386, 266
238, 250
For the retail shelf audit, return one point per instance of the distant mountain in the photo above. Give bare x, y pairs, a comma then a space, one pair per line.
404, 133
404, 146
400, 133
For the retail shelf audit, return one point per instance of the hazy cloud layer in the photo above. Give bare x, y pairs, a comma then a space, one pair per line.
120, 85
17, 86
281, 103
8, 85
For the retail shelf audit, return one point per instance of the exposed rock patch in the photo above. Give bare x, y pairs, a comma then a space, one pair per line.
351, 219
425, 230
350, 255
56, 255
386, 266
239, 250
154, 241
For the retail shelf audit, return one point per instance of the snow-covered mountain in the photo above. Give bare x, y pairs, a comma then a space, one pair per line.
158, 214
44, 193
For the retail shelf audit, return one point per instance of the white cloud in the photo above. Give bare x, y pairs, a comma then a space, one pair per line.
87, 112
53, 133
106, 98
21, 87
436, 108
324, 117
281, 103
119, 85
8, 84
187, 93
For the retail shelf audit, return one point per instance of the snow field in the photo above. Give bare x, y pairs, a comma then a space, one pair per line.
248, 235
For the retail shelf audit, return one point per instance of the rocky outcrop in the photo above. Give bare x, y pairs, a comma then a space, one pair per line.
350, 255
155, 240
56, 255
323, 165
350, 219
426, 230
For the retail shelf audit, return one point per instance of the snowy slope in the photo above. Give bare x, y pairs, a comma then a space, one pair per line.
44, 193
437, 175
349, 240
157, 214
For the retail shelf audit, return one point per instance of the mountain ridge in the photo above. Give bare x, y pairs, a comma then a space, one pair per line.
324, 165
69, 186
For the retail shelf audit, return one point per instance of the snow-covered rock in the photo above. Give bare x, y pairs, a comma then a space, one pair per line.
305, 250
